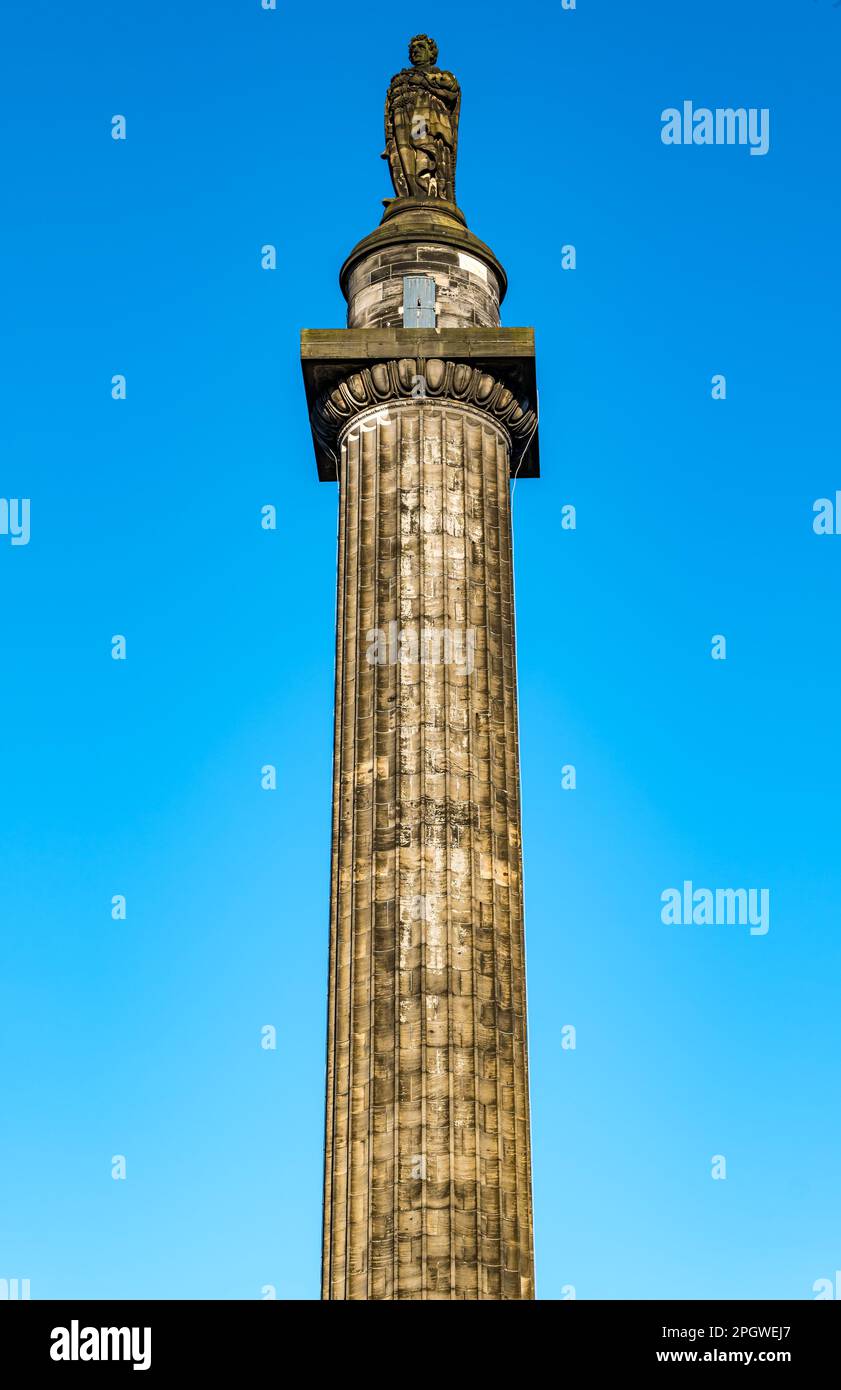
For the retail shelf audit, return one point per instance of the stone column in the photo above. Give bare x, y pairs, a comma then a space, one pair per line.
427, 1161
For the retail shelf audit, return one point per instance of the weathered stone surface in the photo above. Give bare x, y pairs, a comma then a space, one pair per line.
413, 228
467, 289
427, 1163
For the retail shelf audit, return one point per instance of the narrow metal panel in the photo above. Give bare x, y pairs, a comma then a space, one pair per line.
418, 301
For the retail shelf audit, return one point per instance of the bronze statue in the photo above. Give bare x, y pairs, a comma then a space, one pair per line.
421, 126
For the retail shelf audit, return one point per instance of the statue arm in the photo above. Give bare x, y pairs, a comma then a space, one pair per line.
389, 123
446, 87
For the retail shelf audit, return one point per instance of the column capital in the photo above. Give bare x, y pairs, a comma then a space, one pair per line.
350, 370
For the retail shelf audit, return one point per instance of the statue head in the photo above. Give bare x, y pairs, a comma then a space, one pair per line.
423, 51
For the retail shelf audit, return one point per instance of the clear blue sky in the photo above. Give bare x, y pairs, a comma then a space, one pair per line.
694, 517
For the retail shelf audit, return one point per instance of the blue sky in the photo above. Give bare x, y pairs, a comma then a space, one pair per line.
694, 518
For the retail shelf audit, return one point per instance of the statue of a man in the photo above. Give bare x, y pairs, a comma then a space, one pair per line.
421, 126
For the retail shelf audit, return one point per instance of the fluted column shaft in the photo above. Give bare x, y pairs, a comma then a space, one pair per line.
427, 1169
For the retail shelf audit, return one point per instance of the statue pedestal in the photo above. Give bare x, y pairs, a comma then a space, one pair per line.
396, 207
430, 237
